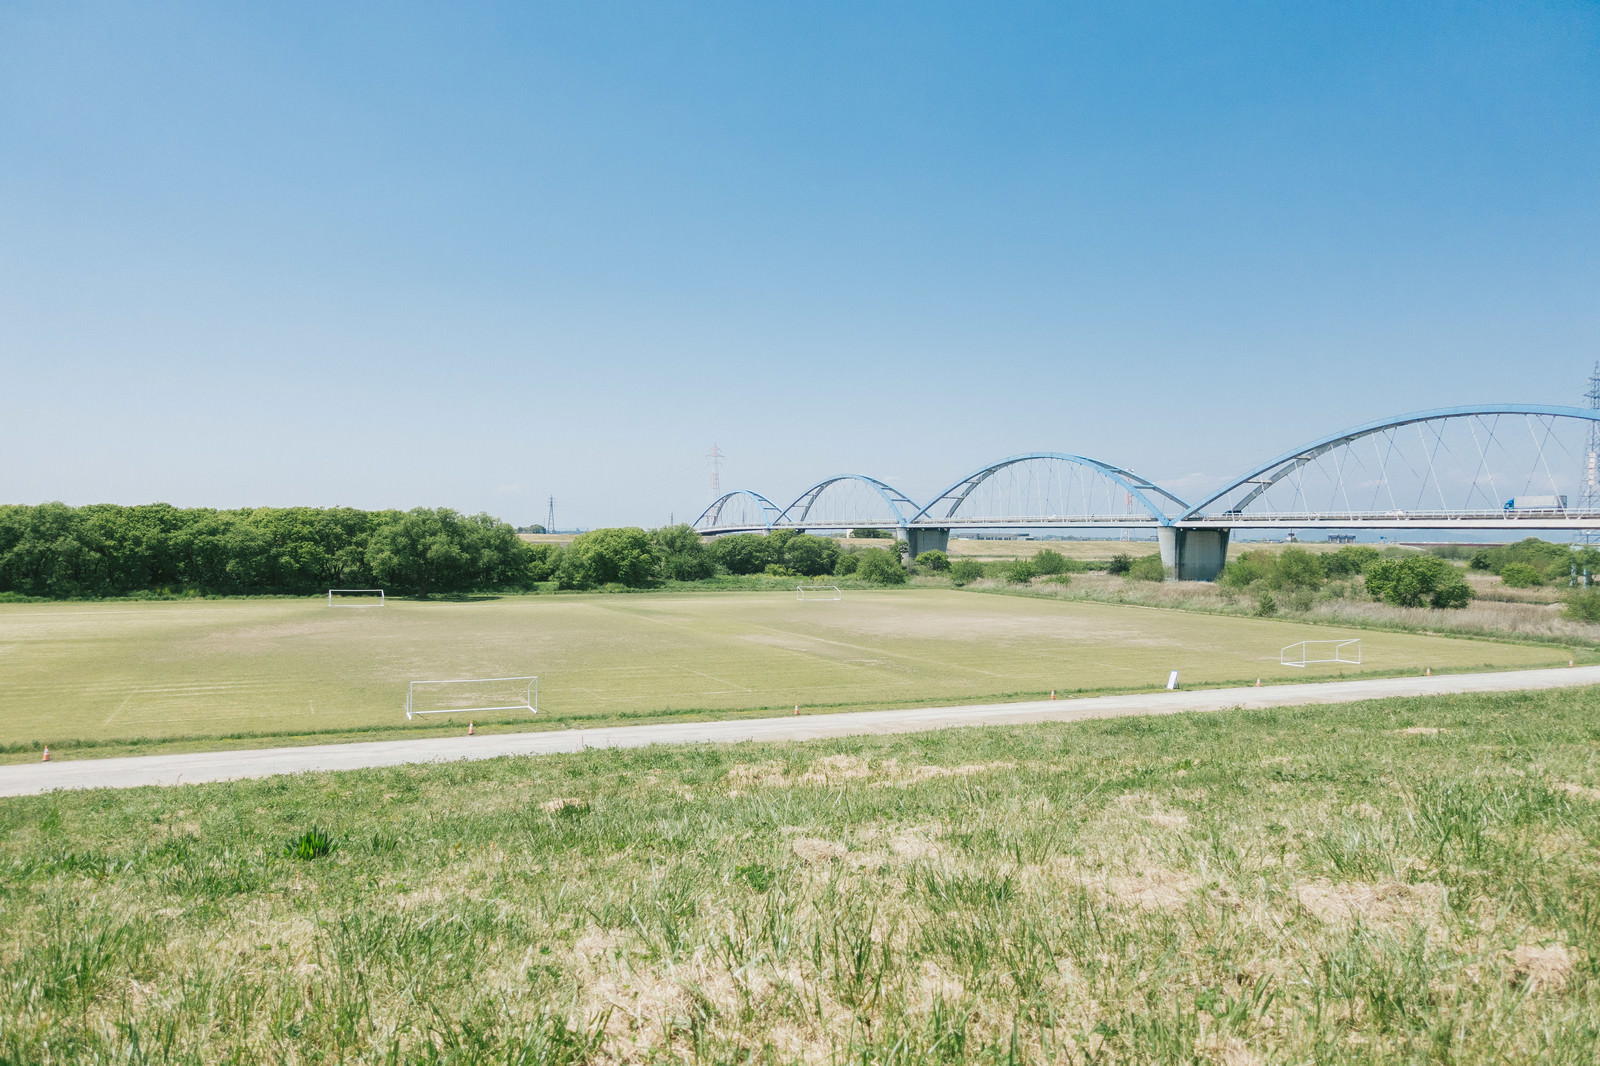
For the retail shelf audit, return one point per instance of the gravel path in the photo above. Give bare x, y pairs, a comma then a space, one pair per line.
196, 767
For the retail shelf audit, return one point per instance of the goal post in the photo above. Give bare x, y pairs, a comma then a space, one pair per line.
1321, 651
477, 694
817, 592
355, 598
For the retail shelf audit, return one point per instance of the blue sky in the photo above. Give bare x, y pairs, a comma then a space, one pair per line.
475, 255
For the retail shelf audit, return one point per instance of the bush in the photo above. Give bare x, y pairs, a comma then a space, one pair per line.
1147, 568
1583, 605
935, 560
965, 571
881, 566
1350, 560
1296, 568
869, 534
1416, 581
742, 553
1120, 564
810, 556
1048, 561
1266, 606
1520, 575
1019, 572
848, 561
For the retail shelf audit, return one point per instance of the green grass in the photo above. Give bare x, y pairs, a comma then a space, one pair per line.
1300, 885
111, 676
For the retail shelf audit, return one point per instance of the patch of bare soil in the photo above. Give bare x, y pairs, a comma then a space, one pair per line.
1152, 888
1420, 731
1382, 903
1541, 969
565, 803
1583, 792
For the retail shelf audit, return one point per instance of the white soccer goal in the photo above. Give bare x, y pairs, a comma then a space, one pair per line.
479, 694
1321, 651
355, 597
817, 592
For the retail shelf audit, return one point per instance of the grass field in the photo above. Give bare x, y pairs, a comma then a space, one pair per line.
1402, 881
102, 671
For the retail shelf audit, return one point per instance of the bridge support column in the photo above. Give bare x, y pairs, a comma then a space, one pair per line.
927, 540
1193, 554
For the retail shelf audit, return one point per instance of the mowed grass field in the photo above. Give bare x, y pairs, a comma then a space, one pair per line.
104, 671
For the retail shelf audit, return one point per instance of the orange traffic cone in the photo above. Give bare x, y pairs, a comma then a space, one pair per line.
797, 708
1052, 693
1258, 682
46, 754
470, 730
1427, 671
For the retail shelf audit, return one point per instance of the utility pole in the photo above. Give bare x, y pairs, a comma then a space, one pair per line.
1590, 500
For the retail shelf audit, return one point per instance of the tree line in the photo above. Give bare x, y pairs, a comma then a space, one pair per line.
58, 552
53, 551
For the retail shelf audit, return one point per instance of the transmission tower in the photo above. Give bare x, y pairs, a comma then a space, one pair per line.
1589, 500
715, 456
550, 518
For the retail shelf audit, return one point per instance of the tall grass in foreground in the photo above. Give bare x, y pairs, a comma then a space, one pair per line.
1398, 881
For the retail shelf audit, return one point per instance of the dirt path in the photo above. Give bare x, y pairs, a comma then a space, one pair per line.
197, 767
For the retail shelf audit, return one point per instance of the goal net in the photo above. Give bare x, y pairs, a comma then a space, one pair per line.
480, 694
1321, 651
818, 592
355, 597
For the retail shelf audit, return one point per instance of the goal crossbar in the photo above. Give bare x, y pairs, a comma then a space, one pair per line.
336, 595
528, 686
817, 592
1302, 652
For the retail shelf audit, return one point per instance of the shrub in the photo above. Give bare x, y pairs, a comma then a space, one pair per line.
881, 566
1019, 571
1059, 579
683, 555
1583, 605
1296, 568
1416, 581
1350, 560
1147, 568
848, 561
935, 560
869, 534
742, 553
810, 556
963, 571
779, 570
1120, 563
1048, 561
1266, 606
1520, 575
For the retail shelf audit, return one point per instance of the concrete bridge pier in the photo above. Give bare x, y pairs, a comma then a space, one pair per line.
1193, 554
927, 540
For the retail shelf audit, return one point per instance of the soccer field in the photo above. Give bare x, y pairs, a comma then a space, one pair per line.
103, 671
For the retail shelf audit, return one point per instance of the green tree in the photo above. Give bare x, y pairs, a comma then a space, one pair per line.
810, 556
742, 553
881, 566
1416, 581
848, 561
609, 556
870, 534
934, 560
683, 553
1296, 568
1350, 560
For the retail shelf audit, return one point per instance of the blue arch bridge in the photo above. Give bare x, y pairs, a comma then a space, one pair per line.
1498, 467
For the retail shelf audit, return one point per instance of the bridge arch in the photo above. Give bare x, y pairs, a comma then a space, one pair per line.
1053, 487
739, 509
848, 501
1449, 462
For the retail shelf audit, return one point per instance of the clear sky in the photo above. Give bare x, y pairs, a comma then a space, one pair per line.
474, 255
